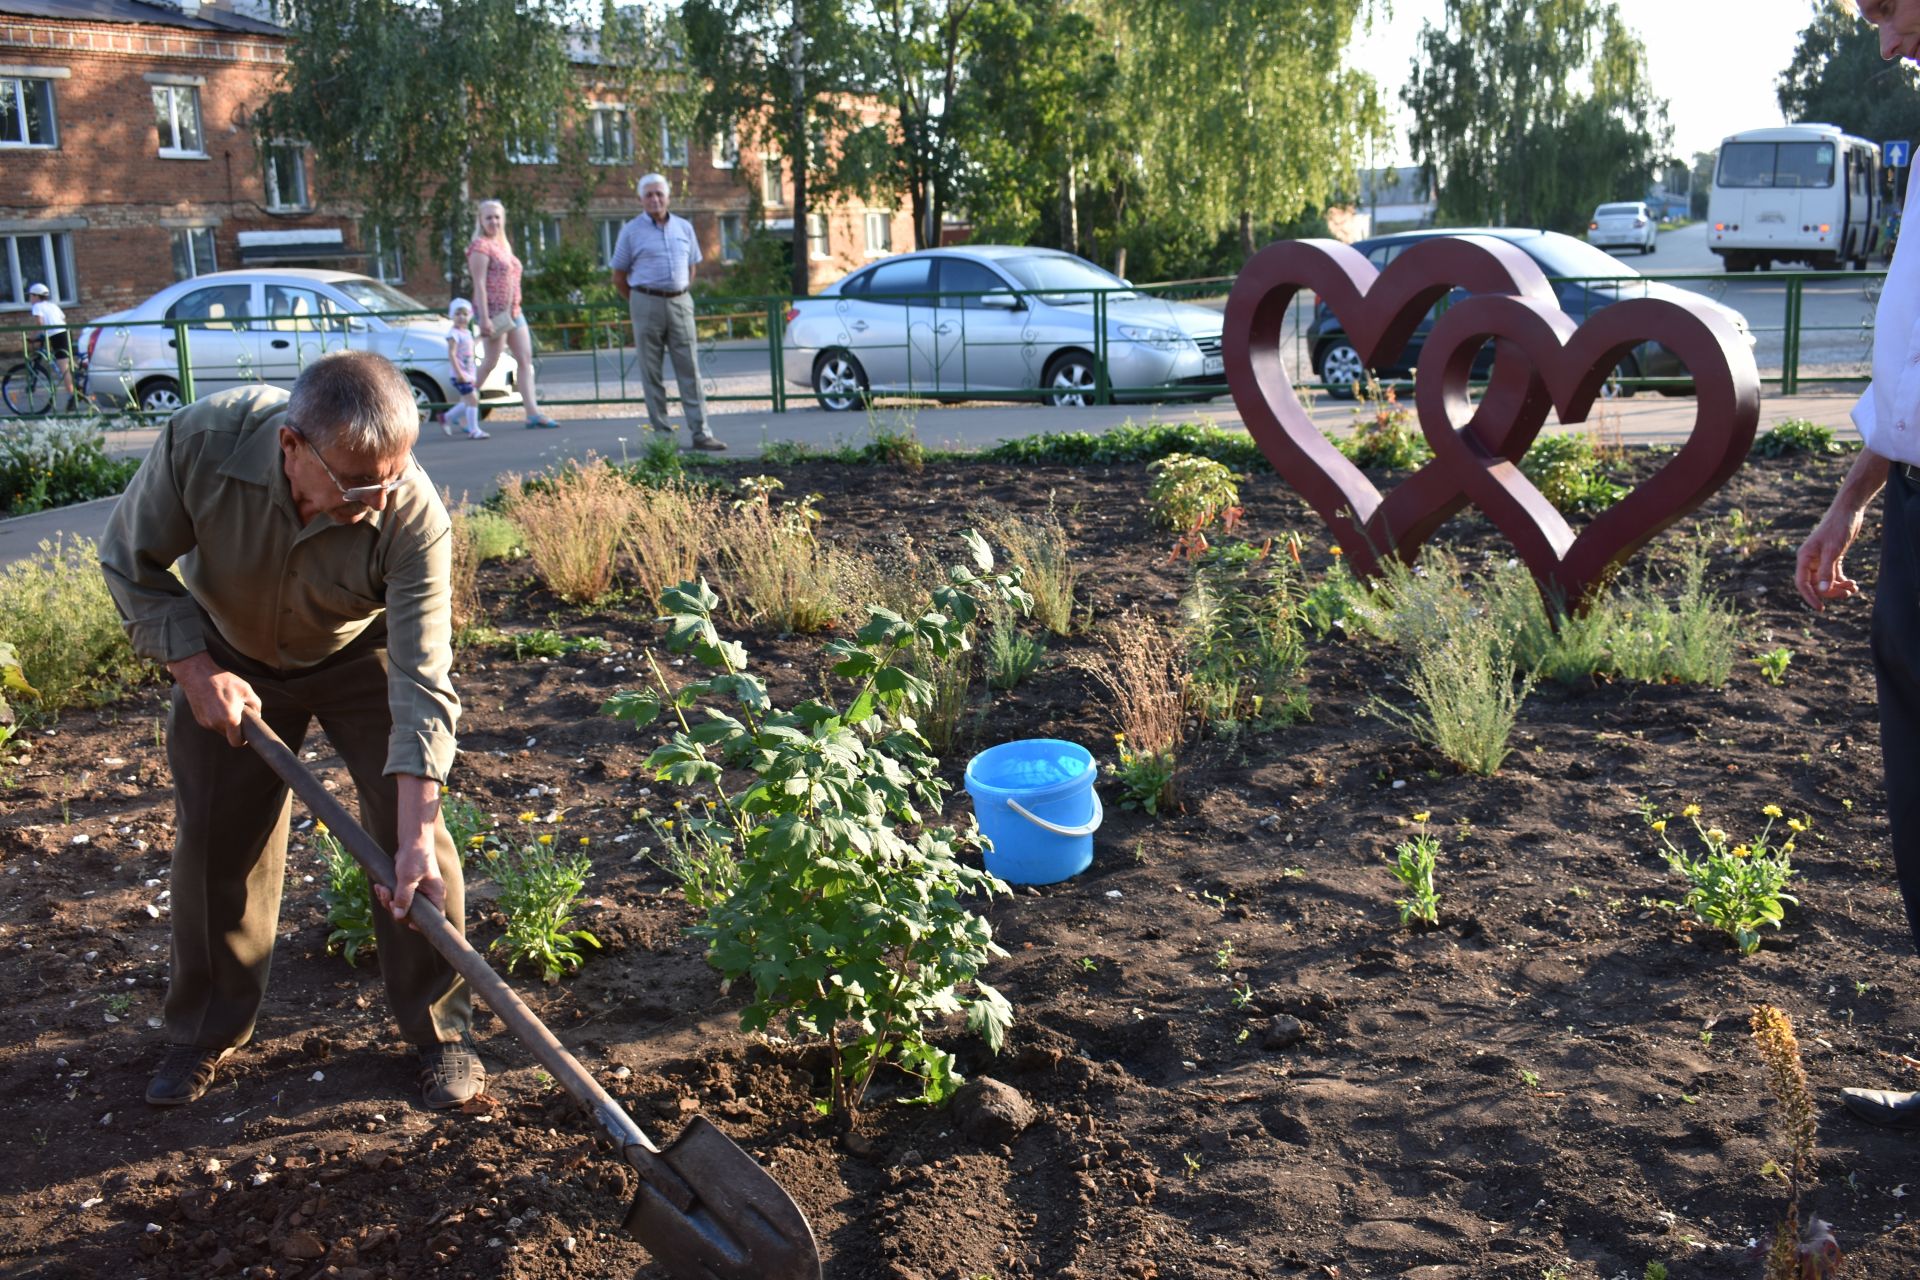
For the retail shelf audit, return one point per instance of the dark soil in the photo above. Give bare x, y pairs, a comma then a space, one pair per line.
1556, 1082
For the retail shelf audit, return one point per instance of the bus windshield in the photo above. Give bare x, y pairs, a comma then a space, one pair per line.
1776, 164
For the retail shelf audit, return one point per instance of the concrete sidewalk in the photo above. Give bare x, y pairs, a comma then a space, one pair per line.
473, 467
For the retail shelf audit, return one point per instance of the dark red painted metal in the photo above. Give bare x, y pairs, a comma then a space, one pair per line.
1542, 363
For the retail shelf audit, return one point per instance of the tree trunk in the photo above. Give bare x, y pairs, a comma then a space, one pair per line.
797, 149
1120, 262
1069, 210
1246, 234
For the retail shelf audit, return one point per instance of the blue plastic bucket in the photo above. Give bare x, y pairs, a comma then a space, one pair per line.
1036, 803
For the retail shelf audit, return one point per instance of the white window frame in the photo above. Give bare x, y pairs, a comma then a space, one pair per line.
733, 246
532, 248
186, 237
380, 255
20, 81
726, 148
275, 200
824, 237
606, 232
598, 113
544, 149
176, 94
773, 181
883, 219
57, 249
676, 150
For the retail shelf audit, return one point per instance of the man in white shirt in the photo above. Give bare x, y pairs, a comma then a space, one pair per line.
55, 343
653, 263
1888, 416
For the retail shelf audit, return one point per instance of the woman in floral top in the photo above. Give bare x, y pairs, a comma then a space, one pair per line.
496, 296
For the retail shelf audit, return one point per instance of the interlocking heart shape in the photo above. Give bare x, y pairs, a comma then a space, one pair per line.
1542, 362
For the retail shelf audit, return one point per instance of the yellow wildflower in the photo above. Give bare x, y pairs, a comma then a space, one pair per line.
583, 840
1691, 811
529, 816
1741, 851
1337, 551
1795, 825
1716, 835
1772, 811
546, 837
319, 828
1659, 825
667, 825
1422, 816
1787, 847
475, 842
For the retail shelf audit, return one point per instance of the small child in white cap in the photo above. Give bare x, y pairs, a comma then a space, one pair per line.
460, 356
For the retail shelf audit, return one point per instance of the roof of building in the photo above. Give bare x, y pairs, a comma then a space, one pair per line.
208, 16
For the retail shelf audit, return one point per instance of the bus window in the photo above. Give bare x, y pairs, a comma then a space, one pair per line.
1776, 164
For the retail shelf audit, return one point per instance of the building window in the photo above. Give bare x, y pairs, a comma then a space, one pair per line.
26, 113
817, 246
287, 177
609, 136
388, 268
673, 147
542, 147
36, 257
176, 116
193, 252
726, 148
539, 236
879, 234
733, 237
607, 235
773, 182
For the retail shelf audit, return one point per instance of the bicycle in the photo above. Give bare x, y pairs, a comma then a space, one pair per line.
31, 387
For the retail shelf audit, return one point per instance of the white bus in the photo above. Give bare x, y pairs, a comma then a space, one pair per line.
1804, 193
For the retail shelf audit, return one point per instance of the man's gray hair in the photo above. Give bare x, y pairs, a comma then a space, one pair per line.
357, 401
653, 179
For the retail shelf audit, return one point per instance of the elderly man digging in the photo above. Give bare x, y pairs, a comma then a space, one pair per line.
313, 557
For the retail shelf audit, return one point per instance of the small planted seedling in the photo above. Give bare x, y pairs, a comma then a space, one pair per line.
1223, 957
538, 890
1735, 887
348, 900
1413, 865
1773, 665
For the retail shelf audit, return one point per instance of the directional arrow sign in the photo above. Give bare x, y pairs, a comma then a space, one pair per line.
1896, 153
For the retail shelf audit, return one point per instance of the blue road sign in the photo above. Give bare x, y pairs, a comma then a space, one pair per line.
1896, 153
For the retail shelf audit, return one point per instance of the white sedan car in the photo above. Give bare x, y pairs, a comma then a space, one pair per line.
265, 326
995, 321
1626, 225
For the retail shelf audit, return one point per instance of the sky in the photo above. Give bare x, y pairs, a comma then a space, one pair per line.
1715, 61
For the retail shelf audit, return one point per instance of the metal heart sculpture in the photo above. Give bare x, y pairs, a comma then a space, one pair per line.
1542, 363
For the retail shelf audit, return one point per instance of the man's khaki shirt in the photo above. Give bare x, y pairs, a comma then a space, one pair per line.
213, 496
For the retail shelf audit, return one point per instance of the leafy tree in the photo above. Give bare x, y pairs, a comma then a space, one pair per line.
411, 106
1837, 77
783, 74
1531, 112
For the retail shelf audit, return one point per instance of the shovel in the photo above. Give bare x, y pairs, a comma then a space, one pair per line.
706, 1210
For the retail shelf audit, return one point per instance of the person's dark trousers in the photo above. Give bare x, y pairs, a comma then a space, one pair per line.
230, 851
1896, 668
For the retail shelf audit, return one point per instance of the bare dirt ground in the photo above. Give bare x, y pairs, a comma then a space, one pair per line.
1556, 1082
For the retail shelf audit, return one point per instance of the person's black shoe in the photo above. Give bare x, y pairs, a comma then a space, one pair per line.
1888, 1107
184, 1074
450, 1073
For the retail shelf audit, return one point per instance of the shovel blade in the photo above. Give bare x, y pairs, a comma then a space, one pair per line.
741, 1225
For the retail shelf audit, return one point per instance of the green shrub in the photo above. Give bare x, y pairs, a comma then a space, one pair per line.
1130, 442
1413, 863
1797, 435
571, 304
494, 536
1467, 694
538, 889
465, 823
345, 894
1241, 628
1566, 471
1011, 654
55, 462
1735, 887
1190, 494
848, 928
65, 630
1384, 436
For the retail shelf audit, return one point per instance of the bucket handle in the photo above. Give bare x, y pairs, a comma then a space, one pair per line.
1092, 824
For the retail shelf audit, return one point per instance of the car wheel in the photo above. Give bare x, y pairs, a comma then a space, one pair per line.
1341, 368
839, 383
1070, 380
426, 393
159, 397
1653, 244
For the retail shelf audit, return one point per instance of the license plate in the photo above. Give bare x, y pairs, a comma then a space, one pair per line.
1213, 365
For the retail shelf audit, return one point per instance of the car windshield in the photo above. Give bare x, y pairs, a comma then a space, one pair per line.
1060, 277
371, 295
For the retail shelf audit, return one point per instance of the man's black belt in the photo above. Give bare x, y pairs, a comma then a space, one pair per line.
657, 293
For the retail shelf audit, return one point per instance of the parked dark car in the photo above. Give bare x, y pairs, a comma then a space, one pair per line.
1584, 278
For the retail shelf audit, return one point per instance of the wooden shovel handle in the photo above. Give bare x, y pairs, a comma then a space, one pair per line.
447, 940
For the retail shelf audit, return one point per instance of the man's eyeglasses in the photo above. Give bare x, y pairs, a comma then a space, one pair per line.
362, 494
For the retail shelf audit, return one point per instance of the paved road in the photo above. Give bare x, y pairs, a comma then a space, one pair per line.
472, 468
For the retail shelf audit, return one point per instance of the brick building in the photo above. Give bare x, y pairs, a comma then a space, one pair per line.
128, 161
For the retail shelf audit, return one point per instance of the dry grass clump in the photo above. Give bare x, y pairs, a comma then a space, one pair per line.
479, 535
574, 522
1143, 668
1038, 546
64, 629
673, 529
774, 573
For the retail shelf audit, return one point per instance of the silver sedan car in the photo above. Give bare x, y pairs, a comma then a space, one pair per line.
265, 326
989, 320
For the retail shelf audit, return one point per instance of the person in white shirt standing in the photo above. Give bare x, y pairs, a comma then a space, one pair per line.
1888, 417
56, 345
653, 265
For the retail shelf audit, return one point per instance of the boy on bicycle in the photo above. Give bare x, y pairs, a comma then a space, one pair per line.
55, 346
